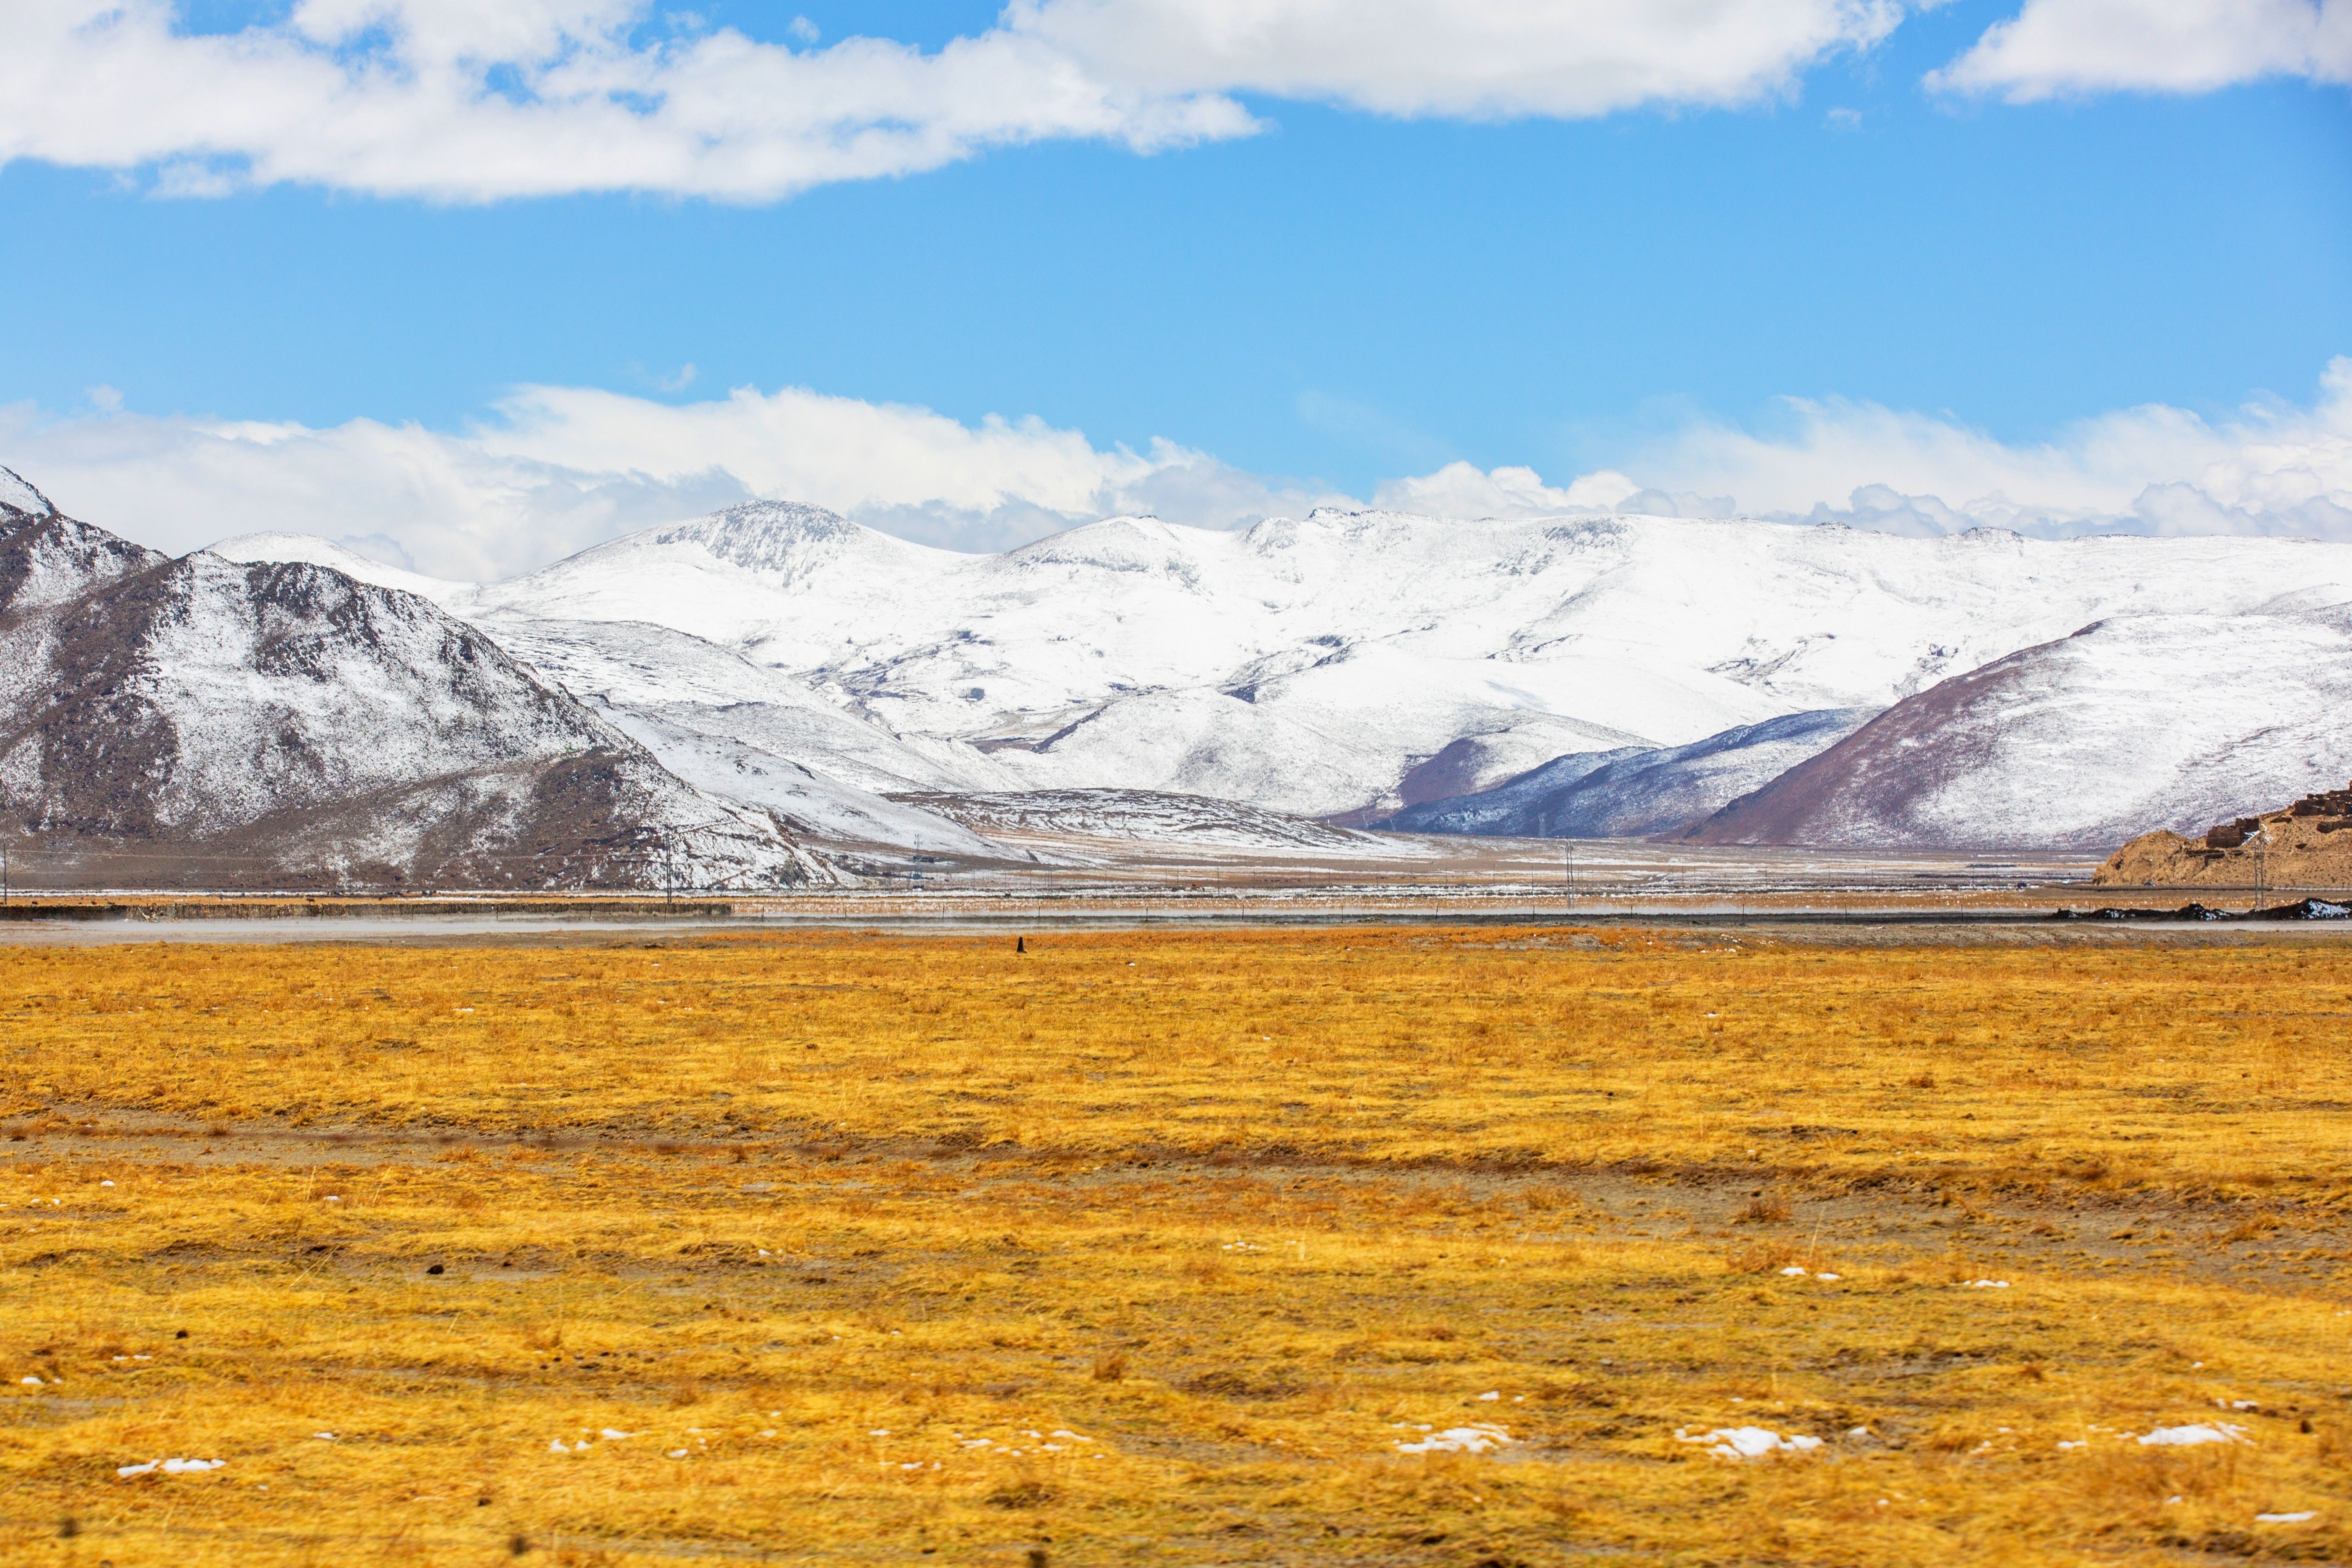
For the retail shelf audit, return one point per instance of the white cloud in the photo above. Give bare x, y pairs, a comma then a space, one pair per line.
457, 100
1462, 490
2273, 469
561, 468
1477, 57
2054, 48
557, 469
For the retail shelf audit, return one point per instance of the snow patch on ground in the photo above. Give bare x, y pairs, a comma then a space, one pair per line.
1748, 1442
171, 1467
2190, 1436
1481, 1438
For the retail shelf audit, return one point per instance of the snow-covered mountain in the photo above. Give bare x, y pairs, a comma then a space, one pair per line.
1618, 674
1343, 665
1634, 793
207, 720
47, 558
2132, 723
739, 731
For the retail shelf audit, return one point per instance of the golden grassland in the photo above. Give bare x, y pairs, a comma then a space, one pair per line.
1162, 1247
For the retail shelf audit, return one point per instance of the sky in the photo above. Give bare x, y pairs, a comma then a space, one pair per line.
472, 288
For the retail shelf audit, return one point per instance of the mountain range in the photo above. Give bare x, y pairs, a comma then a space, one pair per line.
204, 721
790, 695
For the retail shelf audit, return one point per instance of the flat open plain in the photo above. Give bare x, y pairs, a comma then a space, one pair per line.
1384, 1245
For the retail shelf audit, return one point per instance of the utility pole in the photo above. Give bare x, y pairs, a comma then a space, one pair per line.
2262, 865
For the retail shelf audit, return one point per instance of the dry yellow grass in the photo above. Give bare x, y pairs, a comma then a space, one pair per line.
1157, 1247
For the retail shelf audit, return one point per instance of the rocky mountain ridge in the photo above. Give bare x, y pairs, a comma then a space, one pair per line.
2303, 846
204, 721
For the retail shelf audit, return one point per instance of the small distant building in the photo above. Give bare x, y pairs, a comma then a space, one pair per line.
2333, 806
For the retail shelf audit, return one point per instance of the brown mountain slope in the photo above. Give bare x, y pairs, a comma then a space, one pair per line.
1868, 790
2132, 723
203, 722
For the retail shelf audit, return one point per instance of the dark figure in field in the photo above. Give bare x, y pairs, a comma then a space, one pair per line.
1021, 944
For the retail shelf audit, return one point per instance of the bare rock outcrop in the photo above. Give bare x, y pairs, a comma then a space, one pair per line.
2307, 845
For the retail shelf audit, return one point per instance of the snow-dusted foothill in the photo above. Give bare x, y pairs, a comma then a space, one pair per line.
1634, 791
2130, 724
202, 721
738, 731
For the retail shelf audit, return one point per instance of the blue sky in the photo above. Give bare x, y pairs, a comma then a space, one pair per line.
1344, 297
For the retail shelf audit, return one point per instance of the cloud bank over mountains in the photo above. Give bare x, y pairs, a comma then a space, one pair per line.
2274, 469
556, 469
457, 102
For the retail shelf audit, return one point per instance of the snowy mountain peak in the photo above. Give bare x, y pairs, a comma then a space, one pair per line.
1985, 534
1124, 544
778, 545
783, 537
46, 557
17, 494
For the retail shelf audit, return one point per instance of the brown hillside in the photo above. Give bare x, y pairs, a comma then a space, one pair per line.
2307, 845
